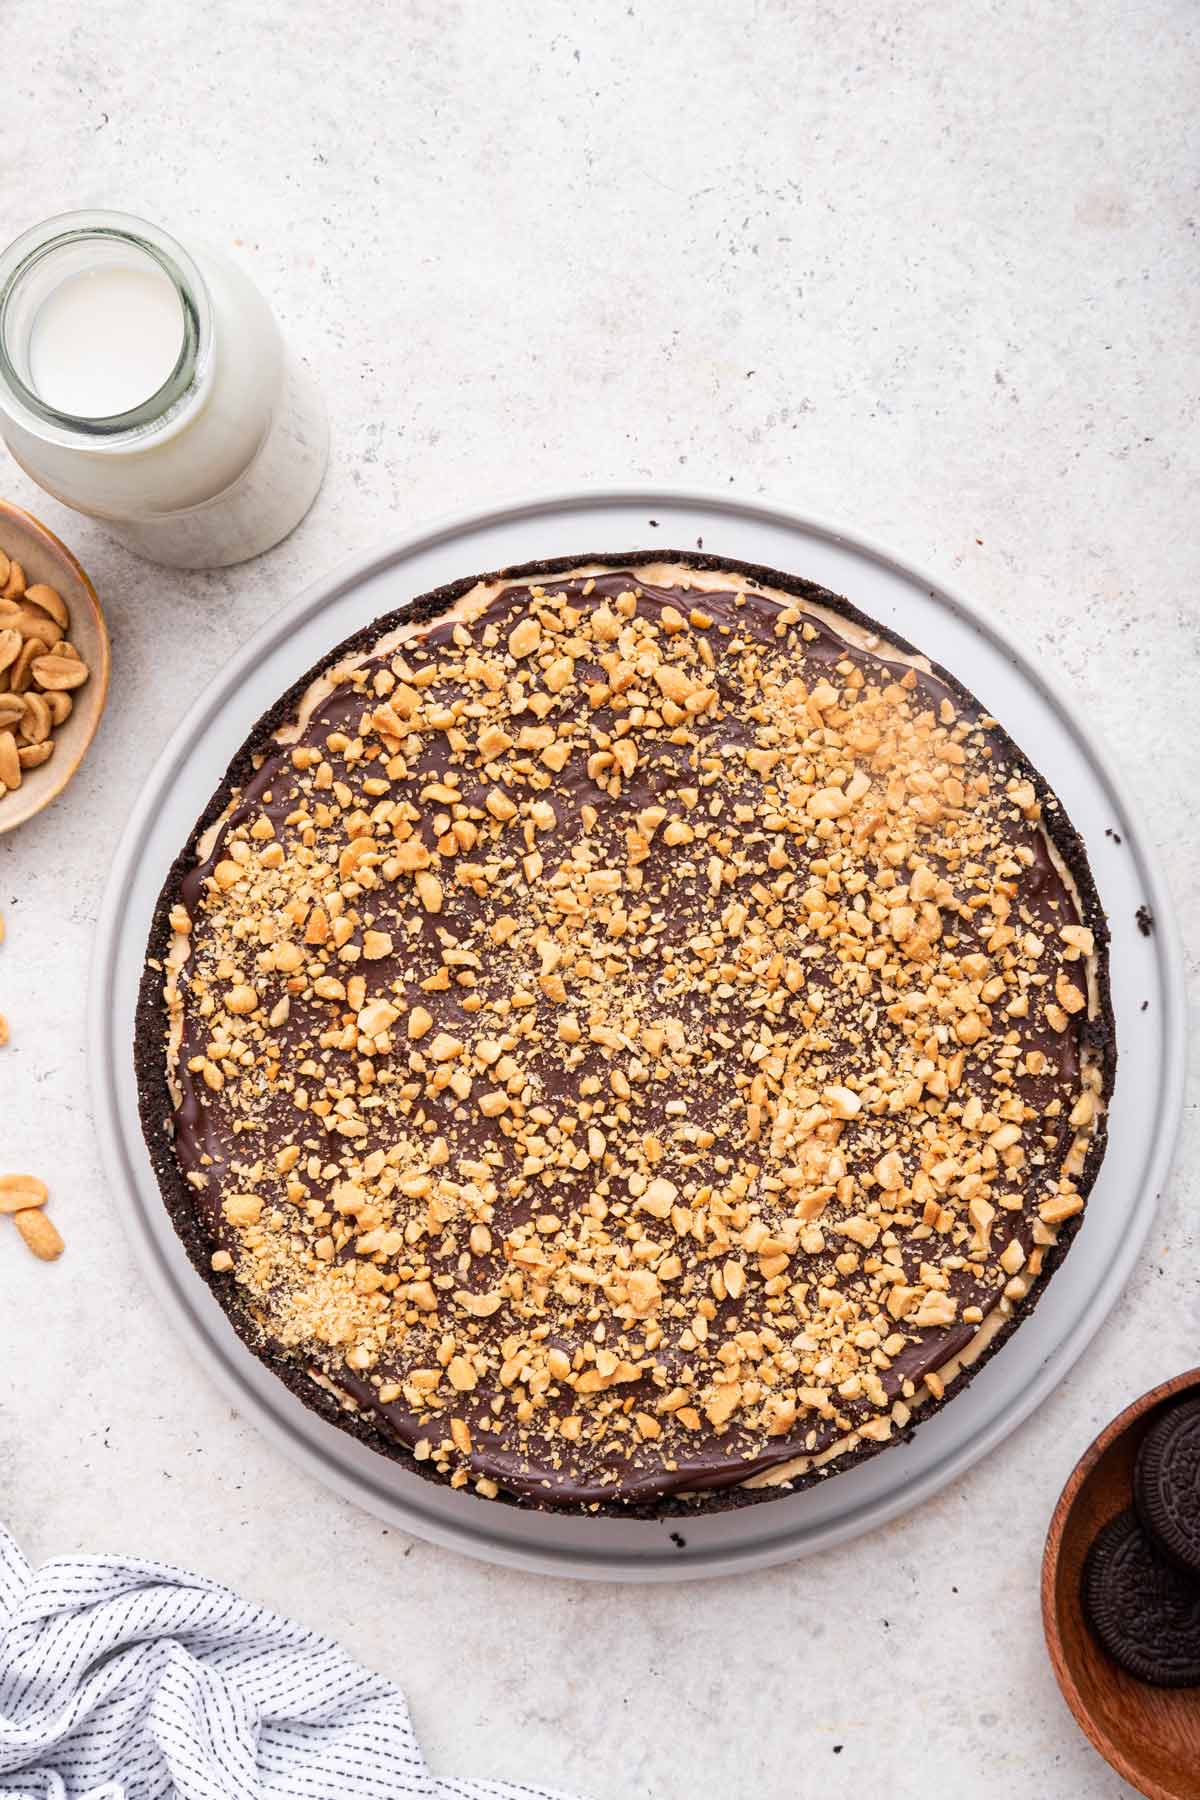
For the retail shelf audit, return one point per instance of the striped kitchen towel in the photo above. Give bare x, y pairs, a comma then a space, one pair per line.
128, 1680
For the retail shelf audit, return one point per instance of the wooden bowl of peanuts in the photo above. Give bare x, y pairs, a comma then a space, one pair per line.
53, 666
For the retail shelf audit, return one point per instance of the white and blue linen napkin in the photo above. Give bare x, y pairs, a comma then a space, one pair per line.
130, 1680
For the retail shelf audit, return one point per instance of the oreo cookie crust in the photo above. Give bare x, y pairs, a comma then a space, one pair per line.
1144, 1609
1166, 1485
627, 1036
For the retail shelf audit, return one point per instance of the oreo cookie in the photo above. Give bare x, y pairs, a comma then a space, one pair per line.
1166, 1485
1144, 1609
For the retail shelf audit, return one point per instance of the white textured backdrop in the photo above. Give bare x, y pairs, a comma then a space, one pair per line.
930, 270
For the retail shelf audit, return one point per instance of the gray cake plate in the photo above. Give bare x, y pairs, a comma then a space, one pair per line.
1148, 996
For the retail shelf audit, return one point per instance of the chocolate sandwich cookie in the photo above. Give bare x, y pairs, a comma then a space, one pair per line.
1166, 1487
1144, 1610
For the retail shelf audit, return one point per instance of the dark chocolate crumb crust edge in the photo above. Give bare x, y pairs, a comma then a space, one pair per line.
157, 1110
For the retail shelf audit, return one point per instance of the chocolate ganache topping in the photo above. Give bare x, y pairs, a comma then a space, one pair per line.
630, 1032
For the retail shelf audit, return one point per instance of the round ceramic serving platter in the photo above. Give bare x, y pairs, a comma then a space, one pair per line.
1147, 995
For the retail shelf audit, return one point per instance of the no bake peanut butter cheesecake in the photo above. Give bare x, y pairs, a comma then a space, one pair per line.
627, 1035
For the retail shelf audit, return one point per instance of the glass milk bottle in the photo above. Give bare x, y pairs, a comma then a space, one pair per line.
150, 388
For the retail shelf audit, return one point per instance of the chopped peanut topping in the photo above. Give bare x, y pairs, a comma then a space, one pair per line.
640, 1023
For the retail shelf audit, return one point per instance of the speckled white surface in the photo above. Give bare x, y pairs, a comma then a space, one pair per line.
928, 270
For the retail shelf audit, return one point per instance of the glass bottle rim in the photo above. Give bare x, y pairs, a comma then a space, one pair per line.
17, 263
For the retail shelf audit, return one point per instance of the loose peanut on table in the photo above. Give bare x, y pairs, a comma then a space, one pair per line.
39, 1233
24, 1197
20, 1192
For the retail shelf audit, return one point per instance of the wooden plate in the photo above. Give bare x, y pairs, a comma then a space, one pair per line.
44, 558
1150, 1735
